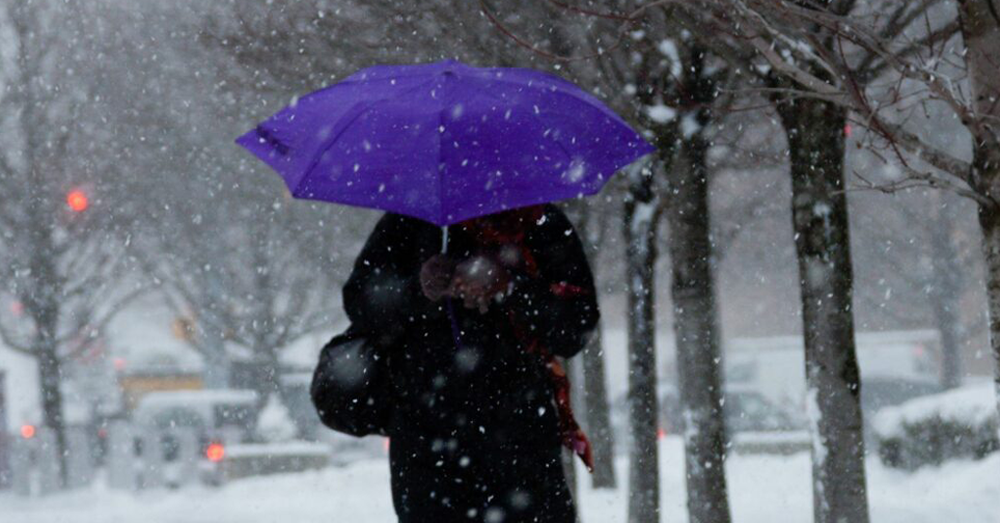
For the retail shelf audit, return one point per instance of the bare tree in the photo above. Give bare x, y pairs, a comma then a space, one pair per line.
819, 215
696, 324
917, 255
814, 123
62, 245
260, 274
247, 270
884, 63
640, 220
595, 394
815, 131
945, 288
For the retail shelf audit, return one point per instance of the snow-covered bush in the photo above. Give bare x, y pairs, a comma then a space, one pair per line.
275, 423
960, 423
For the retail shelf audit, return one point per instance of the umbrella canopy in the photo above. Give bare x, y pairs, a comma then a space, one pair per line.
445, 142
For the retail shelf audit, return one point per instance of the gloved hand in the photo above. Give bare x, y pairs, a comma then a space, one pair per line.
478, 280
435, 276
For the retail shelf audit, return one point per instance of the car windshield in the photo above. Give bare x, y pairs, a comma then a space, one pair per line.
752, 412
233, 415
179, 417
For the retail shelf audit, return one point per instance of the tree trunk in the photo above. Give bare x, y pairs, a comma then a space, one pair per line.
569, 470
217, 372
598, 413
945, 296
212, 341
595, 391
569, 458
989, 219
822, 242
640, 222
696, 334
263, 376
980, 22
944, 302
50, 377
45, 309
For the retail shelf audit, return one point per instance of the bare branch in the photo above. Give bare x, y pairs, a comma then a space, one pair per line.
622, 34
917, 179
922, 150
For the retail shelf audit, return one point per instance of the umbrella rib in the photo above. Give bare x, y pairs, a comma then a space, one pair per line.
600, 106
360, 109
569, 157
569, 89
350, 80
326, 147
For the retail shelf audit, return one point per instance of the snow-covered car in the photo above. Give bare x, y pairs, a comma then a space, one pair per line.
753, 422
960, 423
878, 392
775, 366
881, 392
229, 411
217, 418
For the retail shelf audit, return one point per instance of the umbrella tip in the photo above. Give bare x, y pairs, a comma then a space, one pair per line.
450, 64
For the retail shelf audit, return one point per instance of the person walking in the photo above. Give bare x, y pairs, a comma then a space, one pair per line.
478, 402
454, 354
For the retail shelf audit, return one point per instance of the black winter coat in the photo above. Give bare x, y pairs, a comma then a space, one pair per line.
473, 429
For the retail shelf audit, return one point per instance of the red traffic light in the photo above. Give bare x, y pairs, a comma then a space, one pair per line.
77, 200
27, 431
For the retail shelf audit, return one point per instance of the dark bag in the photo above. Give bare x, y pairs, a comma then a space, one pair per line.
350, 388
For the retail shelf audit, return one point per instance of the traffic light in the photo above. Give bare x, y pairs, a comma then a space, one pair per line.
77, 200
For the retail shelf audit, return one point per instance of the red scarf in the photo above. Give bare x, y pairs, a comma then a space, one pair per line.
510, 228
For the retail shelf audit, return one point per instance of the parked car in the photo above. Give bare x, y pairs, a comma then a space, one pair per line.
879, 392
775, 366
746, 410
960, 423
753, 422
217, 417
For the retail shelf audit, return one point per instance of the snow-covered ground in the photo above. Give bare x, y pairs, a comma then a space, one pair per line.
763, 489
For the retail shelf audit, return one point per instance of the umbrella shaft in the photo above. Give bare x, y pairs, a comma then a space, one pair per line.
456, 333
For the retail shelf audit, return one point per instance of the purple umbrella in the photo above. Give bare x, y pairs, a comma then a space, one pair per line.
445, 142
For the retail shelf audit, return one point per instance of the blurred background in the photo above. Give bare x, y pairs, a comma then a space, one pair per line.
163, 299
